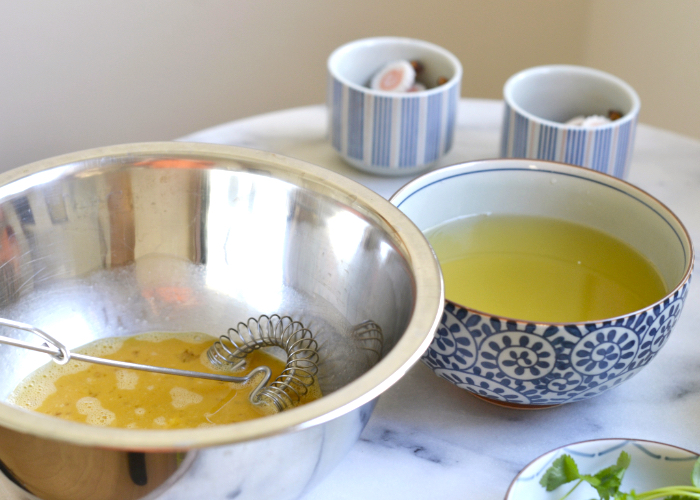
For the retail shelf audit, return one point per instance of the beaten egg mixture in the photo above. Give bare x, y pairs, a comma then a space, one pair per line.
107, 396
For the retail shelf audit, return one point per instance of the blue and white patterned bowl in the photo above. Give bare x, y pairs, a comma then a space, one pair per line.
390, 133
653, 465
519, 363
540, 100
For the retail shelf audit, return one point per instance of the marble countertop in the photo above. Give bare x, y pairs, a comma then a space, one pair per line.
429, 439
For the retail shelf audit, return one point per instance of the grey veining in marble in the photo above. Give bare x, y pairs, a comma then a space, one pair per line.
428, 438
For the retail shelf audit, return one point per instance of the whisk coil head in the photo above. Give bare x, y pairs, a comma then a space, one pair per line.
293, 383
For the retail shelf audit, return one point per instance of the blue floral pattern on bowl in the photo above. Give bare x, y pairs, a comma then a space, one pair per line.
527, 364
524, 363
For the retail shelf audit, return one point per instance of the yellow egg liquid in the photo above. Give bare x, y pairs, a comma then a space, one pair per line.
112, 397
542, 269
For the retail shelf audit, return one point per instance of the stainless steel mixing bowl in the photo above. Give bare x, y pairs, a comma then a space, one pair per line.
192, 237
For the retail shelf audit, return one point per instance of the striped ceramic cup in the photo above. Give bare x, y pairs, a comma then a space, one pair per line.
392, 133
540, 101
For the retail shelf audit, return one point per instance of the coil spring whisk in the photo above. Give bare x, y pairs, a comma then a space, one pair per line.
272, 331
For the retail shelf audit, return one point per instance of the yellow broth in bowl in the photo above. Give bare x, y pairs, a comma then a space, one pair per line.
542, 269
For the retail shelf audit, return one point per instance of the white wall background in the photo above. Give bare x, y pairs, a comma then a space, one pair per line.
76, 74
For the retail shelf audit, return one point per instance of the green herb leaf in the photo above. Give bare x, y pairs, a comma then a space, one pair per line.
695, 476
610, 479
624, 460
563, 470
592, 480
607, 481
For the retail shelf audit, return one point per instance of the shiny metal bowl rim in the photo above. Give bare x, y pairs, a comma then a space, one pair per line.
429, 303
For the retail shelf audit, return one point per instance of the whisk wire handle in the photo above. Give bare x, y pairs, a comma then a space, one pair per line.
61, 355
61, 358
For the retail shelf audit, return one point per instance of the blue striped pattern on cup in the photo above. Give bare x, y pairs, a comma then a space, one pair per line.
606, 149
392, 132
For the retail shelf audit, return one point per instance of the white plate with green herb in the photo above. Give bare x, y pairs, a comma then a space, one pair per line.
610, 469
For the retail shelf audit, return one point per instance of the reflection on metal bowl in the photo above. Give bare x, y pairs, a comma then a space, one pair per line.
192, 237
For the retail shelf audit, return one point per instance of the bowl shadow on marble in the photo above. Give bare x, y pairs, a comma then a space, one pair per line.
533, 365
653, 465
